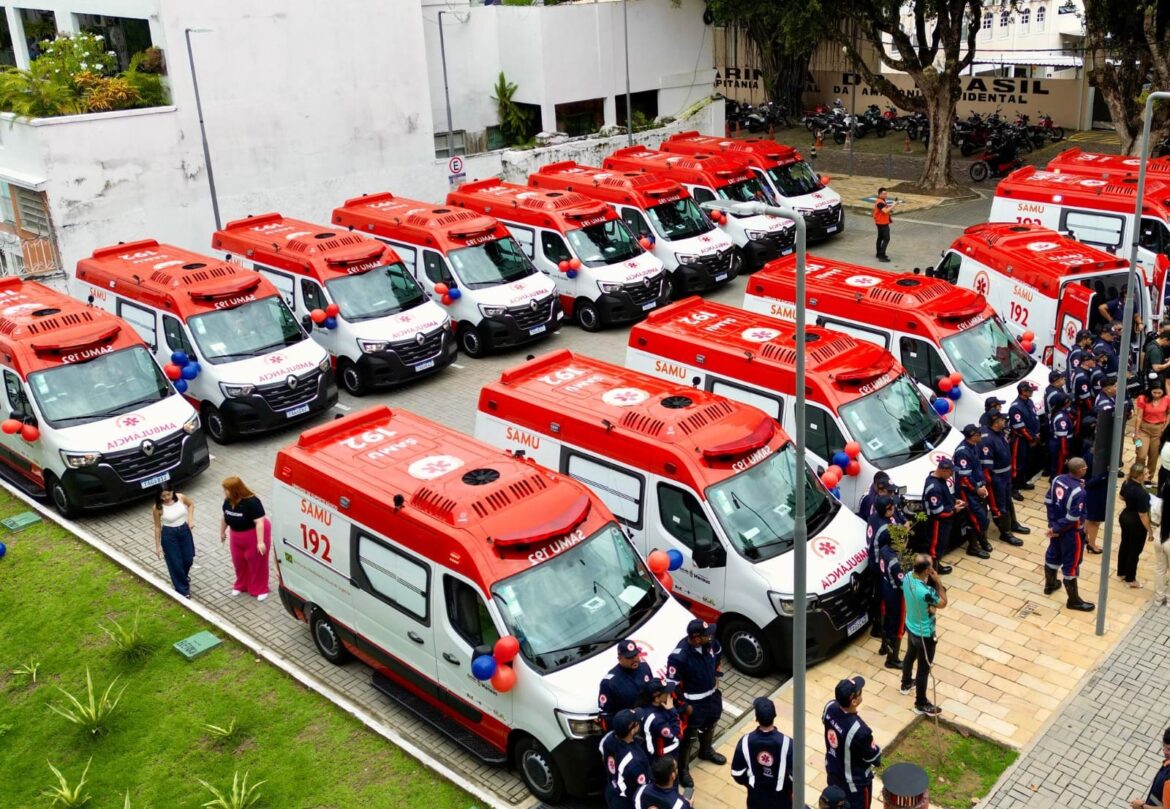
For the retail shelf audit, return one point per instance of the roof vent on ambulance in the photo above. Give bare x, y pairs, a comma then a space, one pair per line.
677, 402
480, 477
46, 312
198, 265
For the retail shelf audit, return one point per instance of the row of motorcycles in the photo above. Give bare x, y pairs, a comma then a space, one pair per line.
756, 117
977, 131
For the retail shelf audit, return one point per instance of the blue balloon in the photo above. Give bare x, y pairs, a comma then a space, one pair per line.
954, 394
836, 492
190, 371
1031, 348
180, 358
483, 667
181, 385
941, 406
676, 559
3, 550
330, 323
571, 273
841, 459
455, 293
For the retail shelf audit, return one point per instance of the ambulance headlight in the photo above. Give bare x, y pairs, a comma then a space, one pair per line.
236, 391
325, 365
608, 289
686, 258
191, 424
755, 235
805, 212
492, 311
785, 606
79, 460
373, 346
579, 726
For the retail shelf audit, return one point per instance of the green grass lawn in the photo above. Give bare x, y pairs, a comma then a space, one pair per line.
962, 767
54, 591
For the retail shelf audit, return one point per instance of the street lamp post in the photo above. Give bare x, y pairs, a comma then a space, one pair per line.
202, 127
446, 89
626, 32
852, 85
1123, 367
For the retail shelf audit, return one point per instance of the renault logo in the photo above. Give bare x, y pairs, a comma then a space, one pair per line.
646, 282
148, 448
855, 583
291, 382
420, 338
532, 304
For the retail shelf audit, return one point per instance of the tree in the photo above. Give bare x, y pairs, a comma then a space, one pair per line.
1127, 51
938, 35
513, 118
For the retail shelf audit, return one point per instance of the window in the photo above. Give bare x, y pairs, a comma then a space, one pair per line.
682, 517
635, 221
823, 436
467, 613
408, 254
6, 211
314, 297
526, 237
1041, 16
1154, 236
772, 405
1025, 20
282, 282
17, 398
1099, 230
702, 195
30, 207
394, 577
921, 360
458, 143
554, 247
857, 332
985, 31
948, 268
436, 268
143, 321
618, 489
1005, 20
176, 337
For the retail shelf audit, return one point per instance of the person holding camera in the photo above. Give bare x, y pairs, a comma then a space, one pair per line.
924, 594
882, 208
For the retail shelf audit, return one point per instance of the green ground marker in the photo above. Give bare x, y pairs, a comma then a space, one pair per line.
197, 645
21, 521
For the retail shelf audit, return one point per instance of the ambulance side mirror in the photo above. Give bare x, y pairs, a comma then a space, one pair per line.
307, 322
709, 554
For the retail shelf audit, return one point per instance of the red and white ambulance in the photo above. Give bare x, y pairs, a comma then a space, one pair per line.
352, 293
1108, 166
933, 328
698, 255
90, 419
691, 471
416, 548
856, 391
759, 237
782, 169
1094, 210
603, 275
254, 368
470, 262
1038, 280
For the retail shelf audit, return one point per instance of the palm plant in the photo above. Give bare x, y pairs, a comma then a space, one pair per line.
513, 118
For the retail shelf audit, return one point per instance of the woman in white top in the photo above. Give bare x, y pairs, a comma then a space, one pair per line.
174, 519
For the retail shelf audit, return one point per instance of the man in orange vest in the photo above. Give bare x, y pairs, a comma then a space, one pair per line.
882, 209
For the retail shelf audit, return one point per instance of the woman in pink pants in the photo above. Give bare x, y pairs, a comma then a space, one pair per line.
243, 514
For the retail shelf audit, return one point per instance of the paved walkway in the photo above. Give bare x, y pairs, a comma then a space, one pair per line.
859, 192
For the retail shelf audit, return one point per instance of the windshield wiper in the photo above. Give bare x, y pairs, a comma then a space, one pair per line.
71, 419
136, 403
581, 648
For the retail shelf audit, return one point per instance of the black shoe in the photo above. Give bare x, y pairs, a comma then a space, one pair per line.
1026, 486
1011, 540
883, 258
713, 756
875, 631
942, 569
975, 550
985, 545
685, 780
1021, 529
1017, 496
927, 709
885, 650
896, 663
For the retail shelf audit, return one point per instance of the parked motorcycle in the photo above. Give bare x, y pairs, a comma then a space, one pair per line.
999, 158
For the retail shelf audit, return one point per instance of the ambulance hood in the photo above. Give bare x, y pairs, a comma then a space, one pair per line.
912, 474
816, 201
422, 319
764, 222
273, 367
632, 271
514, 293
834, 555
715, 241
155, 422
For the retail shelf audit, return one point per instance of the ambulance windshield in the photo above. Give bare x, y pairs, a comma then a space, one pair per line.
747, 191
987, 356
755, 508
381, 292
604, 243
579, 601
250, 330
680, 219
496, 262
795, 179
108, 385
894, 424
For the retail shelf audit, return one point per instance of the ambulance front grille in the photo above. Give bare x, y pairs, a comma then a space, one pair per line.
280, 396
412, 352
527, 317
642, 293
825, 216
134, 464
844, 604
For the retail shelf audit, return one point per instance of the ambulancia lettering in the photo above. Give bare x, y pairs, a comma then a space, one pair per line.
138, 436
834, 576
87, 354
880, 382
751, 460
231, 303
524, 439
561, 545
316, 512
670, 368
284, 372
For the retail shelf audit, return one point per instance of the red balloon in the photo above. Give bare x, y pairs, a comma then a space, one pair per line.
318, 316
1026, 345
646, 245
667, 581
441, 289
853, 469
956, 378
11, 426
504, 680
658, 562
506, 649
835, 471
332, 310
829, 479
945, 384
574, 264
852, 449
172, 371
446, 299
29, 433
1029, 335
563, 265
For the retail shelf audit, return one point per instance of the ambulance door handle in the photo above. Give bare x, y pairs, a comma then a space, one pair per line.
450, 658
414, 636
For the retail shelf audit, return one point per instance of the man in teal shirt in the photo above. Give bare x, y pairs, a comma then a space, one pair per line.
924, 595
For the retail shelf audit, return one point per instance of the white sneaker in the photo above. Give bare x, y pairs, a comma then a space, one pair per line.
235, 593
905, 689
262, 596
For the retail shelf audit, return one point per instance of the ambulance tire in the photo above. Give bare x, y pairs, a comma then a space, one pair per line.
471, 342
216, 425
539, 771
586, 314
326, 638
746, 647
351, 378
59, 496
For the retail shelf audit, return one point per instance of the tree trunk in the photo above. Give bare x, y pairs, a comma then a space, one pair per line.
788, 87
940, 110
1120, 106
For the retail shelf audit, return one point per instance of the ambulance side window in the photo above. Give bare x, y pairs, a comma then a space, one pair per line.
636, 222
554, 247
176, 337
436, 268
921, 360
283, 284
526, 237
467, 613
948, 268
824, 436
1098, 229
313, 296
702, 195
17, 398
408, 255
400, 580
619, 489
682, 516
1154, 236
143, 321
772, 405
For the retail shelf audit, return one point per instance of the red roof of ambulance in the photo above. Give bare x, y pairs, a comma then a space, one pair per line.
320, 251
41, 328
1035, 255
170, 278
638, 188
715, 171
641, 420
1094, 164
421, 223
557, 210
893, 300
466, 504
1030, 184
761, 153
745, 345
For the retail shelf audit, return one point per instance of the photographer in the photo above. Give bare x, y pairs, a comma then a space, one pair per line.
882, 209
925, 595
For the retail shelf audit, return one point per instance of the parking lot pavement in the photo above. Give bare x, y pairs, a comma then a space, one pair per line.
450, 398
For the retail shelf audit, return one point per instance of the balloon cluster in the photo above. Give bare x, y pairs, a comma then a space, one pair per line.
447, 294
844, 462
661, 563
647, 242
949, 385
718, 217
326, 317
569, 266
27, 431
181, 370
497, 666
1028, 341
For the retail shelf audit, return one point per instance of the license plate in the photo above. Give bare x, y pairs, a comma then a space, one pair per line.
157, 480
422, 366
646, 307
721, 276
857, 625
831, 229
538, 330
297, 411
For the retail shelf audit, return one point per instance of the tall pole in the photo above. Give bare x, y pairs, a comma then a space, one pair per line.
1123, 366
800, 528
446, 89
202, 127
626, 31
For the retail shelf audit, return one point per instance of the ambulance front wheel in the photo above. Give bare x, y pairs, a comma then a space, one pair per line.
539, 771
745, 644
351, 378
217, 425
62, 500
327, 639
586, 314
471, 342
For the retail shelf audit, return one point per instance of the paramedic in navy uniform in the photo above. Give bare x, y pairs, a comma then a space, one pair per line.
970, 489
1025, 437
694, 665
626, 766
996, 457
763, 761
661, 727
877, 532
850, 752
626, 683
939, 501
662, 791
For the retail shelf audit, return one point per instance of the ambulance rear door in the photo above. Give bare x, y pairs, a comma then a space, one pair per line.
1072, 315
